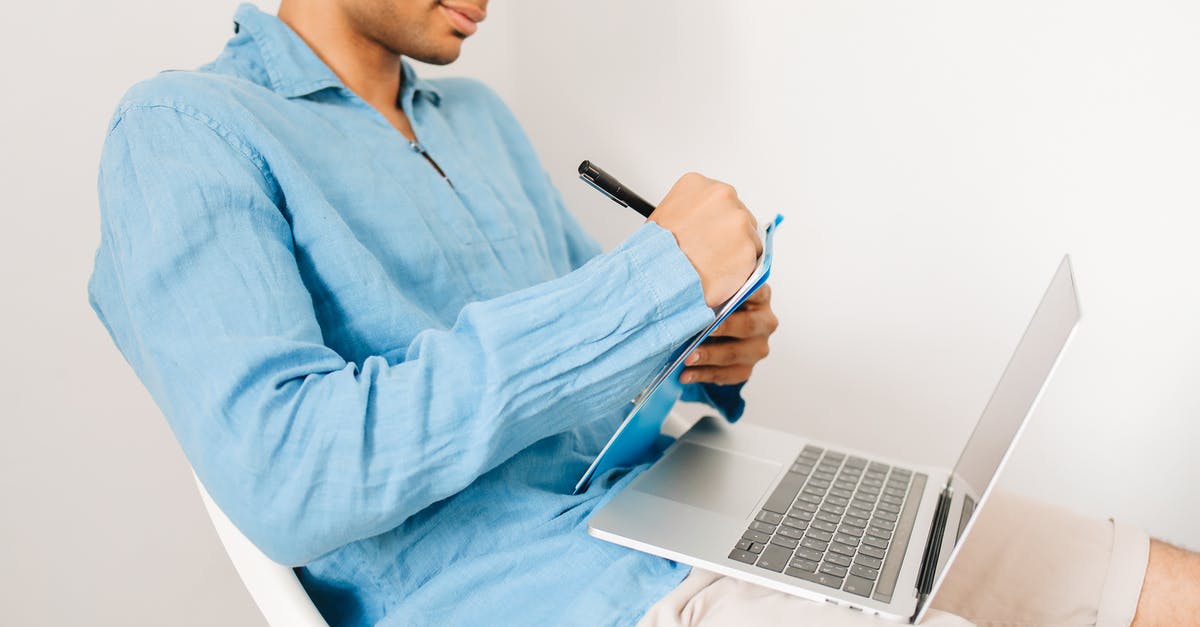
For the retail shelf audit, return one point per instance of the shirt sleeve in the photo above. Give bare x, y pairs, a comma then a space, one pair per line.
196, 280
581, 248
726, 399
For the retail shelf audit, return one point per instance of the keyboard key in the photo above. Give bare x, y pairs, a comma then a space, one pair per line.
810, 554
798, 523
888, 516
791, 532
848, 551
803, 564
847, 539
816, 545
785, 541
803, 506
837, 558
829, 517
887, 507
840, 492
824, 525
823, 536
858, 585
781, 499
774, 558
851, 530
762, 526
869, 550
862, 506
856, 462
801, 469
860, 513
886, 525
833, 569
820, 483
810, 498
801, 514
887, 498
756, 536
877, 532
875, 542
835, 455
862, 571
879, 466
836, 510
824, 579
812, 449
868, 561
770, 518
837, 500
745, 557
743, 545
857, 521
756, 547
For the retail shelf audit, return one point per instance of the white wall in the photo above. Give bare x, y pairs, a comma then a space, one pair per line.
98, 522
933, 160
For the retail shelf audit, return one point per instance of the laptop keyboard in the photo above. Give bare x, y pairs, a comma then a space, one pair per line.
838, 521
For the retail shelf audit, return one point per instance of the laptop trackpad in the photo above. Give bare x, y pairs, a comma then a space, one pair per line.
709, 478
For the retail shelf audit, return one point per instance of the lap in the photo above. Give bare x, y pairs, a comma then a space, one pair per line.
1027, 562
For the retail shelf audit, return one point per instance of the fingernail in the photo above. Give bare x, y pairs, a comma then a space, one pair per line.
687, 378
693, 358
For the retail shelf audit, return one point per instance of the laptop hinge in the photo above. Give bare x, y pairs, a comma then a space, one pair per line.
933, 549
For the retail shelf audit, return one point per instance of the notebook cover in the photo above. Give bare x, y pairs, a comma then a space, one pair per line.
636, 436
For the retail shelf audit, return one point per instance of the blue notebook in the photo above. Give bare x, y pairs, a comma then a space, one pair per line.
635, 438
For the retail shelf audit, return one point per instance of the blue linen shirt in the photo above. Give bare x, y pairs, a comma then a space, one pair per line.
386, 377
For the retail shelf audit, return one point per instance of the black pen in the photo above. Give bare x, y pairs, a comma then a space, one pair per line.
613, 188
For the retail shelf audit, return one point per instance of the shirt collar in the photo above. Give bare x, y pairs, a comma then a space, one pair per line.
294, 70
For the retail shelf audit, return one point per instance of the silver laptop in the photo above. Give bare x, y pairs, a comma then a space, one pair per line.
822, 521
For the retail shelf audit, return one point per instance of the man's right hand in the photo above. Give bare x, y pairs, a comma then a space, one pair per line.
715, 230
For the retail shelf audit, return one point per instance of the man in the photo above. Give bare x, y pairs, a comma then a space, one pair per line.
389, 351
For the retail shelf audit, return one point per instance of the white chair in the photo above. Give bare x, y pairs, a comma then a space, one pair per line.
274, 588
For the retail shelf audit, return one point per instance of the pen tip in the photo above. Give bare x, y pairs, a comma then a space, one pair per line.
583, 167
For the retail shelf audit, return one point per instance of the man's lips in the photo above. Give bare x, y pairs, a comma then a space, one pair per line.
464, 17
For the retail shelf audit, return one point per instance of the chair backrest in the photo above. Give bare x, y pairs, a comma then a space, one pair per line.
274, 587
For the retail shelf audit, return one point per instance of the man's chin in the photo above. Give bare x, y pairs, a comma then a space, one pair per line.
443, 56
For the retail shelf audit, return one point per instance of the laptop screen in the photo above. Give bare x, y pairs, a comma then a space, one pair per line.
1011, 403
1020, 385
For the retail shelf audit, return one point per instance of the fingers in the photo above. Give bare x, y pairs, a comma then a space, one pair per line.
740, 352
720, 375
758, 243
748, 323
761, 296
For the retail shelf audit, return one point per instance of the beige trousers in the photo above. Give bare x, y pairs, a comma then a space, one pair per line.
1026, 563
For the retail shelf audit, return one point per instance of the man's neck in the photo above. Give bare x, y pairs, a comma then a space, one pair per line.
362, 64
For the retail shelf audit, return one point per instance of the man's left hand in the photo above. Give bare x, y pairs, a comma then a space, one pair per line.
730, 353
